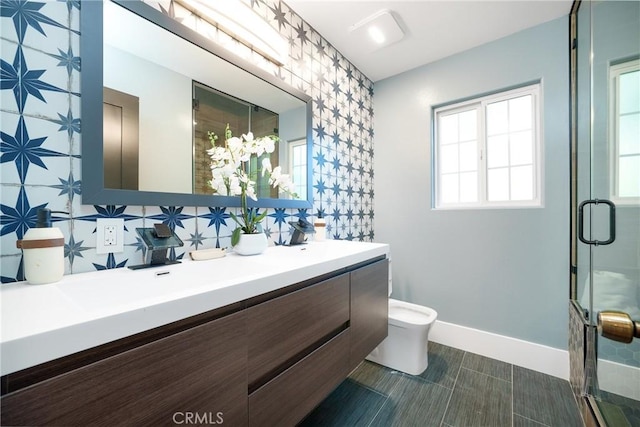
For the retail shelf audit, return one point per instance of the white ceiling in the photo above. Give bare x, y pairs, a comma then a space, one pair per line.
434, 29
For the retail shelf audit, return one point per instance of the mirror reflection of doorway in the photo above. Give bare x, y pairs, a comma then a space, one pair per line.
121, 139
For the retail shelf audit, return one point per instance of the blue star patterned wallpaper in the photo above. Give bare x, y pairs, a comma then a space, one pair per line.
41, 131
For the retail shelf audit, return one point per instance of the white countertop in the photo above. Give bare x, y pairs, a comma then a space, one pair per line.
43, 322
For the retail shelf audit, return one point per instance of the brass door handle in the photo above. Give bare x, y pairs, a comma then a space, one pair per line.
618, 326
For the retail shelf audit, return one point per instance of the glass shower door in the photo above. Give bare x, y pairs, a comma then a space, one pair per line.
609, 225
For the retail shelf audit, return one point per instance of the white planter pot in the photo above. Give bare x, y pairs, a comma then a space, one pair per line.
251, 244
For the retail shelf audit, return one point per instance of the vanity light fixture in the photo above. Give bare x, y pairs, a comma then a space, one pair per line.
237, 19
377, 31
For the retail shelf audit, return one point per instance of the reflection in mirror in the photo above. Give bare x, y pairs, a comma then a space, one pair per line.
121, 123
624, 117
163, 76
297, 161
213, 111
171, 94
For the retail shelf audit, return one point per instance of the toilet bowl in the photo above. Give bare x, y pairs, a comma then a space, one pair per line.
405, 348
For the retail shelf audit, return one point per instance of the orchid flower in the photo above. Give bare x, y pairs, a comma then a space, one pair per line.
229, 176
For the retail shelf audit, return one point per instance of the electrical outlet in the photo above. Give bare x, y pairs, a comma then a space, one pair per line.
109, 235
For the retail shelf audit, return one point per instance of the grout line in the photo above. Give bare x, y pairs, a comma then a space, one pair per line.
397, 384
531, 419
378, 411
371, 389
386, 372
426, 381
393, 389
575, 400
453, 389
512, 400
487, 375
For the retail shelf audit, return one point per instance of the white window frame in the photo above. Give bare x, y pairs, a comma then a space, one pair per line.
614, 89
479, 104
301, 187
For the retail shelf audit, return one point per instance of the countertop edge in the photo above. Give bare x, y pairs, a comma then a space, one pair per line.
31, 349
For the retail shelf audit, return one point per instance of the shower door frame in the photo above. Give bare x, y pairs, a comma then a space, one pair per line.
589, 409
582, 317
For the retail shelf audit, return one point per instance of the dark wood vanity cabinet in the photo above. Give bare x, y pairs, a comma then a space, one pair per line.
369, 309
268, 363
298, 351
284, 328
289, 397
198, 371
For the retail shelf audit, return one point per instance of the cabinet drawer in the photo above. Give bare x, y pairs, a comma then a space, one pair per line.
282, 329
199, 371
288, 398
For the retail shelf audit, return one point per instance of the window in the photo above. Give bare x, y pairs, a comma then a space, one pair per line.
298, 166
487, 151
625, 132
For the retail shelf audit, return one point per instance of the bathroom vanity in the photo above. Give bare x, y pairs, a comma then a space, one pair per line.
237, 340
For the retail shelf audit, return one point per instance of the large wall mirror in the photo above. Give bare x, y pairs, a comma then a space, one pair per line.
152, 90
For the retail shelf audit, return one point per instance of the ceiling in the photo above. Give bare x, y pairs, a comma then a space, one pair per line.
433, 29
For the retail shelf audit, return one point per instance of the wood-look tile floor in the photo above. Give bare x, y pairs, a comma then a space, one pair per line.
457, 389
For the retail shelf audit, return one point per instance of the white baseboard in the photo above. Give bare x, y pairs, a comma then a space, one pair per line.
537, 357
619, 379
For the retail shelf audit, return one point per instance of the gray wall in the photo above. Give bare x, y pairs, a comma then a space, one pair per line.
498, 270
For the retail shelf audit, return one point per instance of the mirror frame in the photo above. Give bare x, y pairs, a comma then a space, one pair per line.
91, 84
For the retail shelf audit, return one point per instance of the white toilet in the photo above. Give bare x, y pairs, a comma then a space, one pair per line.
405, 348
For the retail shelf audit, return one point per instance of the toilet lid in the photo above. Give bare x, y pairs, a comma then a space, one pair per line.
408, 315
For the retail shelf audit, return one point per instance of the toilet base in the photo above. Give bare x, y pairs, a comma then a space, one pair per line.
405, 347
412, 361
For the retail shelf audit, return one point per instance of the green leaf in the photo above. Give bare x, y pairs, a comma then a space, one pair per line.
260, 217
235, 218
235, 236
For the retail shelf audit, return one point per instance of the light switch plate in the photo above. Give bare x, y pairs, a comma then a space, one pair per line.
109, 235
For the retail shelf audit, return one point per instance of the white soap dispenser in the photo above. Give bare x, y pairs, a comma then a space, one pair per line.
43, 251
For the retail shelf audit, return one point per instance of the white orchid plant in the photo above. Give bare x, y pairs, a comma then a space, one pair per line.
231, 175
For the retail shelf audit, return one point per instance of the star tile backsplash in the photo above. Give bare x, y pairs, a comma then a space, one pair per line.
40, 157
